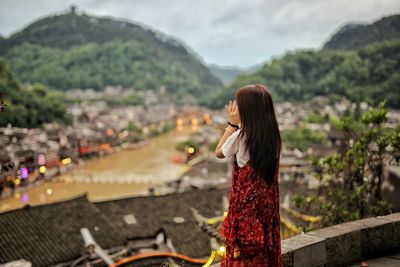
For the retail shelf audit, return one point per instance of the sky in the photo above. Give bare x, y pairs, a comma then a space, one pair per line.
239, 33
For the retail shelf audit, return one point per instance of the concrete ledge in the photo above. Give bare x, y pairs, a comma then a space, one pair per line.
376, 237
351, 242
343, 244
395, 218
303, 250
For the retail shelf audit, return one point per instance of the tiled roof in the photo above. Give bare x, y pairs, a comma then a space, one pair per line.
49, 234
188, 239
155, 212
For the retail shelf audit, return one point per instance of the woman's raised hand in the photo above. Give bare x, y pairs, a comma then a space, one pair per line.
233, 112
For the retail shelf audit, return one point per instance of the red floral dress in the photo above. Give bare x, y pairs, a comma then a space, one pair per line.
252, 226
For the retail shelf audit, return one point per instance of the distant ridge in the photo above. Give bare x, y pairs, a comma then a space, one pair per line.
354, 36
77, 50
360, 62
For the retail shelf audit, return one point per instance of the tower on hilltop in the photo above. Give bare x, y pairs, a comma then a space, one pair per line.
74, 9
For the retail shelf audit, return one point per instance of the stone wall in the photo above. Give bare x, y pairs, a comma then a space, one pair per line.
391, 186
343, 244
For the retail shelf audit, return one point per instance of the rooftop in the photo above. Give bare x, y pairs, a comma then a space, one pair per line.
49, 234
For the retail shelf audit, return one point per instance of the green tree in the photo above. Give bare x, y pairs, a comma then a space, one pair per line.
351, 179
30, 107
368, 74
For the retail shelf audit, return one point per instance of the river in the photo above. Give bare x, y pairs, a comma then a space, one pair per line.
124, 173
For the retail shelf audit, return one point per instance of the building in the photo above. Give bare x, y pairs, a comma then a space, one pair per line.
47, 235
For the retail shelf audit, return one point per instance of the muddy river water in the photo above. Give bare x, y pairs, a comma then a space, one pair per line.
124, 173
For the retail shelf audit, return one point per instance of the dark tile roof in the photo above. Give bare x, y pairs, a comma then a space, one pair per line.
22, 236
155, 212
188, 239
50, 234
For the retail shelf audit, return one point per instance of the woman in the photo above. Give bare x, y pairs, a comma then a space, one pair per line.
252, 138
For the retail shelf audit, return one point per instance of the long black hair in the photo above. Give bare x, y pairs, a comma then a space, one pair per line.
259, 123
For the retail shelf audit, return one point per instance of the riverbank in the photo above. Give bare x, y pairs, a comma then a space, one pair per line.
54, 174
126, 172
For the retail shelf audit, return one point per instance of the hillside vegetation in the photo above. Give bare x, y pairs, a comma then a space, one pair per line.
355, 36
370, 73
74, 50
29, 108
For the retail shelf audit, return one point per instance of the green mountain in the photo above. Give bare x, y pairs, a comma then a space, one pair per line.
75, 50
355, 36
29, 107
370, 73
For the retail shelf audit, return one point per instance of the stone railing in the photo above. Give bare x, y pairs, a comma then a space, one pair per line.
343, 244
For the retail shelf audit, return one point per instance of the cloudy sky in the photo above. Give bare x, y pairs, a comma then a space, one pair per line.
225, 32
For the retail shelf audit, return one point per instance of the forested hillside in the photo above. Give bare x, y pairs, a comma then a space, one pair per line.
370, 74
29, 107
75, 50
355, 36
364, 65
